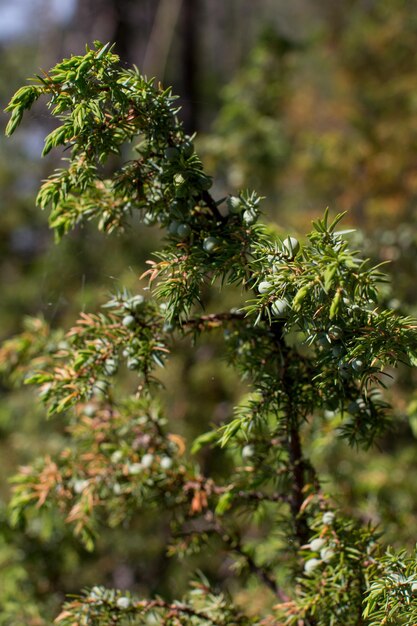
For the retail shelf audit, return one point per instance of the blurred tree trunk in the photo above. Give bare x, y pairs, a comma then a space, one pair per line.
161, 37
190, 37
143, 31
128, 23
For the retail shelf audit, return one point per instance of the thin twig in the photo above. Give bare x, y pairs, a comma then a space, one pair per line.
213, 318
236, 545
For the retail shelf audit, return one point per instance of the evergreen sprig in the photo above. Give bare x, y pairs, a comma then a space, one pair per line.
308, 337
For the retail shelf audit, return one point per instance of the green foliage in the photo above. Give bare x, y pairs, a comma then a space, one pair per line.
310, 335
99, 606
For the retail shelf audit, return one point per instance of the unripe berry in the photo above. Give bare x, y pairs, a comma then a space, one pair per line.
328, 518
353, 408
317, 544
211, 244
280, 308
110, 366
135, 303
171, 153
80, 485
100, 388
89, 410
132, 364
357, 365
264, 286
249, 217
166, 462
117, 456
173, 227
326, 554
135, 468
128, 321
183, 231
187, 149
248, 451
343, 370
123, 602
311, 565
147, 460
234, 204
292, 246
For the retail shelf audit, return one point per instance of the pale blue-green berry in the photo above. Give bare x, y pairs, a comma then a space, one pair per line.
80, 485
249, 217
211, 244
343, 370
123, 602
328, 518
187, 149
117, 456
135, 468
128, 321
357, 365
183, 231
147, 460
311, 565
234, 204
326, 554
166, 462
171, 153
353, 408
110, 366
248, 451
292, 245
135, 303
317, 544
280, 308
173, 227
132, 364
264, 286
100, 388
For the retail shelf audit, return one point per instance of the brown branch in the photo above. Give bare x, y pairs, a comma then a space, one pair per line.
298, 468
174, 609
258, 496
209, 201
235, 544
214, 318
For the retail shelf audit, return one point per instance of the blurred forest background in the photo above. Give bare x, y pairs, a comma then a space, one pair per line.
311, 102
